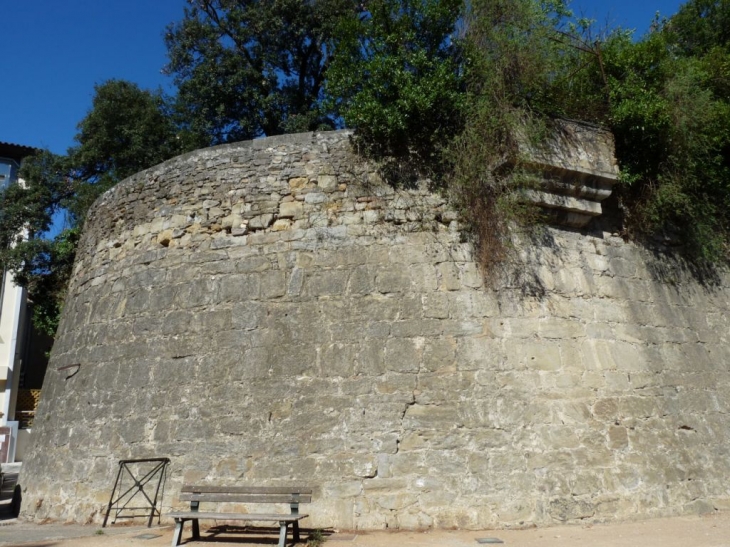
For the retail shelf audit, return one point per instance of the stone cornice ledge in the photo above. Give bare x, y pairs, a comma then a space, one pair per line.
577, 167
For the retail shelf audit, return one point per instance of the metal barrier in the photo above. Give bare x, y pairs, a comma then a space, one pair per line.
136, 491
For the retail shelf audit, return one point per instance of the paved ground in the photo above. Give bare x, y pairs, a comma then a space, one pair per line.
705, 531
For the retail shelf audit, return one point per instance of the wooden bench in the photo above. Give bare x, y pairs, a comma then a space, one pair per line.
241, 494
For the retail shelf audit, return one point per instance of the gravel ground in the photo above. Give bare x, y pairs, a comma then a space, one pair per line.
705, 531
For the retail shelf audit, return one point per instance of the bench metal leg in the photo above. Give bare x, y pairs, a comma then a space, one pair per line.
196, 529
282, 533
295, 531
177, 535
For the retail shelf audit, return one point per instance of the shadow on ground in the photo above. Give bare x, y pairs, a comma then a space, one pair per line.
255, 535
10, 496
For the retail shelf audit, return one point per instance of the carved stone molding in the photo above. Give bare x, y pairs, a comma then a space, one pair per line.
577, 168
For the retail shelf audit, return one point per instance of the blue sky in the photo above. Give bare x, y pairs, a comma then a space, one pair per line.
52, 52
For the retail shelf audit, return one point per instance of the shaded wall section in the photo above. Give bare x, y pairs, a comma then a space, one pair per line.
270, 312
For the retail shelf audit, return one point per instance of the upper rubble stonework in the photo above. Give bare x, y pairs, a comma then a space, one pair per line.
270, 312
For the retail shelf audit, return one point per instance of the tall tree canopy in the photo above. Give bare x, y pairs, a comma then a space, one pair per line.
701, 25
396, 76
27, 212
668, 104
247, 68
126, 131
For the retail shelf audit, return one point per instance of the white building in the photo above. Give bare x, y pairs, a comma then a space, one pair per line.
22, 352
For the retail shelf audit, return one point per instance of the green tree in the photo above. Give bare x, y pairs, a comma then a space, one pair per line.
126, 131
397, 76
700, 25
247, 68
40, 264
669, 109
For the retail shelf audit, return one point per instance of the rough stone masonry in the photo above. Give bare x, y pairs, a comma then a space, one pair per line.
270, 312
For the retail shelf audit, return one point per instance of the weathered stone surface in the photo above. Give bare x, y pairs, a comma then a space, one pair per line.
362, 354
577, 169
291, 209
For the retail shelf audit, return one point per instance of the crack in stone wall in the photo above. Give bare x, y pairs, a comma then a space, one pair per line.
271, 313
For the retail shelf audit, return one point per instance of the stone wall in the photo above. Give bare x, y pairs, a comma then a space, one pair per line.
270, 312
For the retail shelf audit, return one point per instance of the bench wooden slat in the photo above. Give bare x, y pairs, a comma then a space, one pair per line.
235, 516
197, 494
203, 489
245, 498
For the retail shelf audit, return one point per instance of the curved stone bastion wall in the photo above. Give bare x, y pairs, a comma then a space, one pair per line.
270, 312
